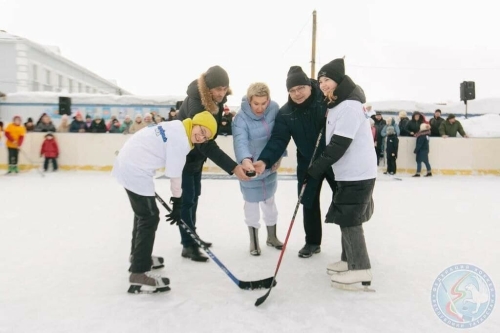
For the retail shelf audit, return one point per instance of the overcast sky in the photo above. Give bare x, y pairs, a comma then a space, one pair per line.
418, 50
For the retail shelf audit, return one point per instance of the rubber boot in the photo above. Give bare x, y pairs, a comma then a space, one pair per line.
254, 241
272, 240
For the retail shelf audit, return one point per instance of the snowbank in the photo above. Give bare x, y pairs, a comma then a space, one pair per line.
487, 126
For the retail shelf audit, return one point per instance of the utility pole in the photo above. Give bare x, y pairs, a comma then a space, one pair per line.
313, 55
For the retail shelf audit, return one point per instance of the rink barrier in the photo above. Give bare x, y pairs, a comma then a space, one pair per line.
96, 152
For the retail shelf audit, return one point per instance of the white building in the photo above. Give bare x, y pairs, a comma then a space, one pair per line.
28, 66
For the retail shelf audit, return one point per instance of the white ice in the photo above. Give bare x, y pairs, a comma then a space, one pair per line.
64, 247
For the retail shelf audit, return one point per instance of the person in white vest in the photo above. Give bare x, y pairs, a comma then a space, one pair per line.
163, 145
350, 154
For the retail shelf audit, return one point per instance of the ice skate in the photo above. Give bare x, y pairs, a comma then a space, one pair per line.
147, 283
272, 240
337, 267
429, 174
349, 280
254, 241
157, 262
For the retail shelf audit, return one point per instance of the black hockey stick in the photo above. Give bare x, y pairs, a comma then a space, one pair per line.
246, 285
262, 299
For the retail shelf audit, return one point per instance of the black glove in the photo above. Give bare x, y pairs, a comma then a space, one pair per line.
175, 215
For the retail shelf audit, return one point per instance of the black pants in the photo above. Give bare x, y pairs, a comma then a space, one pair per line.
13, 156
46, 163
146, 219
391, 164
191, 190
378, 151
312, 215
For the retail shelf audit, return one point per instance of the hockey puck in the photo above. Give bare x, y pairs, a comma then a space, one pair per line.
251, 173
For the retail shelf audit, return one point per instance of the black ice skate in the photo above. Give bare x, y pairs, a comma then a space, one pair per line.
147, 283
308, 250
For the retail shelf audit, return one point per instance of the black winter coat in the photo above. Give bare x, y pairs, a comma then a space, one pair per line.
192, 105
392, 145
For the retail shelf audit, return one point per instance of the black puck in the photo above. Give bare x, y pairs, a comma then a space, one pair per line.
251, 173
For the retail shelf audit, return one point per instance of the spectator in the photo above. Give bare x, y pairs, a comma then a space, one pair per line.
63, 126
30, 127
50, 151
450, 127
78, 125
115, 127
15, 134
422, 149
227, 113
403, 124
172, 115
110, 122
158, 119
125, 127
379, 125
88, 123
413, 126
45, 124
436, 122
97, 126
225, 127
148, 119
137, 125
392, 145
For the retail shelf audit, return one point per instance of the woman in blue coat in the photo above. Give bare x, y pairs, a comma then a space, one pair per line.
252, 127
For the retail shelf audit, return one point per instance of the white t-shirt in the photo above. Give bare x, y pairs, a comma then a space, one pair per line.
359, 161
163, 145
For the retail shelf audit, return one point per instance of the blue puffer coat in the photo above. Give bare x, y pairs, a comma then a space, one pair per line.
250, 135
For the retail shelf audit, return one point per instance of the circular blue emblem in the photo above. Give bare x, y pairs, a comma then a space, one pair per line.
463, 296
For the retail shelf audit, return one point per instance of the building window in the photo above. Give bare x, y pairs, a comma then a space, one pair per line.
70, 85
60, 81
87, 89
47, 77
34, 69
79, 87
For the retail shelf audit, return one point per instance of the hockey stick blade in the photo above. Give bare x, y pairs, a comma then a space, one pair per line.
261, 284
262, 299
245, 285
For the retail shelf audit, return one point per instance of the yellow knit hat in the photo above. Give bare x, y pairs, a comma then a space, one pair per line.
207, 120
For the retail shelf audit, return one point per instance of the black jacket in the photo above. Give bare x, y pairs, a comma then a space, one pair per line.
435, 123
192, 105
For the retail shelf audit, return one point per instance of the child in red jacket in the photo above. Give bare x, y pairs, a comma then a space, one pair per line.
50, 150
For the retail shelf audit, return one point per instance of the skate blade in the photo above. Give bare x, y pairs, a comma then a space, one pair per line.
330, 272
157, 266
352, 287
136, 289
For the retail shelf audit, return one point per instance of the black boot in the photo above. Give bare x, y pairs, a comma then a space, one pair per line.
429, 174
308, 250
416, 175
193, 252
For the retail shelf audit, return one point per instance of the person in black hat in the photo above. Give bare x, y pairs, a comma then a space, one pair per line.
351, 156
209, 92
301, 118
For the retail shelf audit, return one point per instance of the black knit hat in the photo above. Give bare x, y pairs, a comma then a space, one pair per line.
334, 70
296, 77
215, 77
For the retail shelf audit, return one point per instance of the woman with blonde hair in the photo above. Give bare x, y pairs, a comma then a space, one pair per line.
251, 128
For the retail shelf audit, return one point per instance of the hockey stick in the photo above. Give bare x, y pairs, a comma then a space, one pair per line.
31, 162
246, 285
262, 299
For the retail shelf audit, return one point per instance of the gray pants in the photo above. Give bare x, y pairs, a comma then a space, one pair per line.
354, 248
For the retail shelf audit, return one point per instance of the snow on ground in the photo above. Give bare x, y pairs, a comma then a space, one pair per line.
64, 247
487, 126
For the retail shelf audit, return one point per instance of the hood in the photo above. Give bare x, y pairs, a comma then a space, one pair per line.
198, 89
